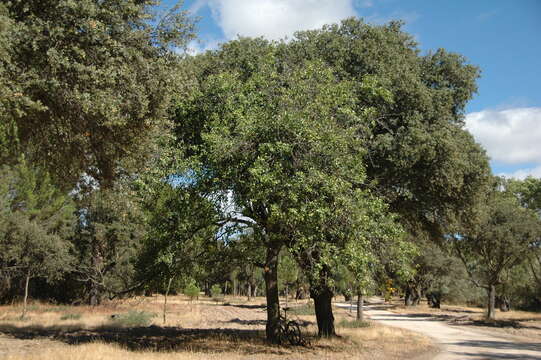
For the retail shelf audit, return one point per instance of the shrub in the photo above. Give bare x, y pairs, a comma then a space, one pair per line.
192, 290
70, 316
133, 319
216, 292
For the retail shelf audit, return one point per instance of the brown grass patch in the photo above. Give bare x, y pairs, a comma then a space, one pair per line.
200, 329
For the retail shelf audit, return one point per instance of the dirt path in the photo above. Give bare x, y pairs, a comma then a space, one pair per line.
455, 341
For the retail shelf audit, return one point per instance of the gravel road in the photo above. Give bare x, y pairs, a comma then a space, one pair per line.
455, 341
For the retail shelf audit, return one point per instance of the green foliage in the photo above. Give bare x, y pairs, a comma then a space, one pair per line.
288, 270
527, 191
133, 318
108, 237
501, 237
36, 221
192, 290
216, 292
86, 83
181, 226
418, 158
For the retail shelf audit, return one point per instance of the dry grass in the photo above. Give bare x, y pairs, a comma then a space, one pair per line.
201, 329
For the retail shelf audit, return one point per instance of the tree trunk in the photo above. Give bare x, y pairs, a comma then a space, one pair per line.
27, 281
286, 294
491, 305
323, 306
360, 304
417, 295
505, 304
408, 297
271, 293
434, 300
249, 292
97, 261
165, 298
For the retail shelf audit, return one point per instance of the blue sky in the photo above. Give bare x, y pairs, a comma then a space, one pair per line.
502, 37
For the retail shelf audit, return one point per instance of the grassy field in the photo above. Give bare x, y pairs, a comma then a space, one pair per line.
202, 329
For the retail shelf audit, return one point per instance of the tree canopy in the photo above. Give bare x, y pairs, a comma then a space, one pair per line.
85, 84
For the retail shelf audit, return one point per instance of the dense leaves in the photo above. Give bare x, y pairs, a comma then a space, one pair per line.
503, 236
85, 84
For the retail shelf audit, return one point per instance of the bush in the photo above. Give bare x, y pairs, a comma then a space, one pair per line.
353, 324
192, 290
70, 317
216, 292
133, 319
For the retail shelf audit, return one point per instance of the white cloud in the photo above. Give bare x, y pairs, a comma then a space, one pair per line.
199, 46
524, 173
196, 6
275, 19
511, 136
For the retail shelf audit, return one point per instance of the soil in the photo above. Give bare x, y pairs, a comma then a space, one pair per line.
460, 334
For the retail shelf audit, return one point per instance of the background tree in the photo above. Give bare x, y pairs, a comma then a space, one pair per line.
181, 228
500, 239
108, 236
89, 82
38, 221
288, 273
528, 193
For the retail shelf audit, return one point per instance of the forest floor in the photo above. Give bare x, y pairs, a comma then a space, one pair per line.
462, 333
202, 329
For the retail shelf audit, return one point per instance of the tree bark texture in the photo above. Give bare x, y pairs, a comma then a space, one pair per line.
26, 283
434, 300
271, 293
97, 260
491, 305
360, 304
412, 296
408, 297
165, 298
323, 306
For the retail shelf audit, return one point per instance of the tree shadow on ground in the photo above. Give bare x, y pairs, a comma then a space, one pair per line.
477, 355
302, 323
419, 317
156, 338
462, 311
246, 306
501, 345
375, 307
516, 324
